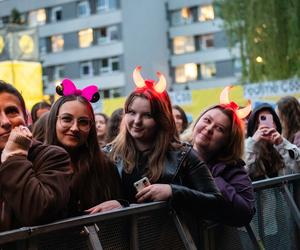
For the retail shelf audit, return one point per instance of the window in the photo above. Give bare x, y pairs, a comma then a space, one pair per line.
206, 13
186, 72
105, 5
183, 16
208, 70
57, 43
43, 46
86, 69
108, 34
37, 17
59, 72
56, 14
83, 9
206, 42
109, 65
237, 67
85, 38
183, 44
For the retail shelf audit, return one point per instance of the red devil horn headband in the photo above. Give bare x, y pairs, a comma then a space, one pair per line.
139, 81
224, 99
67, 87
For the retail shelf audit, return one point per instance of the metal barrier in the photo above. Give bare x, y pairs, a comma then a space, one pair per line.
274, 226
156, 226
145, 226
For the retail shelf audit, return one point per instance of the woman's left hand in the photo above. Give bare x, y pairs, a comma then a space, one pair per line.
154, 192
104, 206
275, 137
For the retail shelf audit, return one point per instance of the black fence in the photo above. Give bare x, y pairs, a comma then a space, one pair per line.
156, 226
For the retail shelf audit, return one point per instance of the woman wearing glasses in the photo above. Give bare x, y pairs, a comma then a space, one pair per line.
71, 125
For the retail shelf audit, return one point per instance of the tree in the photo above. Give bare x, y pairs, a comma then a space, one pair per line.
268, 34
15, 17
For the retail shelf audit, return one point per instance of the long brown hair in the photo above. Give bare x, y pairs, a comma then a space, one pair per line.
93, 178
234, 147
165, 139
289, 113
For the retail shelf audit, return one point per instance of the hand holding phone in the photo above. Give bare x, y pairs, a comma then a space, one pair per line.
266, 120
142, 183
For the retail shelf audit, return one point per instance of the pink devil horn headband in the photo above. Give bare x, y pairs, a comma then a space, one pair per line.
224, 99
67, 87
139, 81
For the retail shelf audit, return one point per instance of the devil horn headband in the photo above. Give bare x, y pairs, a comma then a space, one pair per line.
139, 81
224, 99
67, 87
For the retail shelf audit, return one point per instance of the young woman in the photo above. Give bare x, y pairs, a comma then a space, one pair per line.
113, 126
71, 125
147, 147
180, 118
268, 153
38, 110
218, 138
288, 108
34, 177
101, 127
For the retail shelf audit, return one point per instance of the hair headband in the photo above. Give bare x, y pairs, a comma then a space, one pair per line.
224, 99
67, 87
139, 81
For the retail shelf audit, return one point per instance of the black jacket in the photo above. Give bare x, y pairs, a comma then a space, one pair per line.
194, 192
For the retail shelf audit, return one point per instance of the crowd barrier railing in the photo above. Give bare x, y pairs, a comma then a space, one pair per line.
156, 226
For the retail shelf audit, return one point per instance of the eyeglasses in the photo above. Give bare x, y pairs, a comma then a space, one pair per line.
67, 121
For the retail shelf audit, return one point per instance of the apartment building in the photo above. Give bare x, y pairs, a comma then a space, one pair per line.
101, 41
96, 41
199, 56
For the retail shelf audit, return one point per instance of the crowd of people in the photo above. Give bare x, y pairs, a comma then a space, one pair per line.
71, 161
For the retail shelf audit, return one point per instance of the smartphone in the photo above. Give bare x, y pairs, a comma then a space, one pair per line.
140, 184
266, 119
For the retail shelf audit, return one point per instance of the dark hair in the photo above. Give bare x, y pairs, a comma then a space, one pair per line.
113, 126
36, 107
183, 117
267, 156
289, 113
253, 119
8, 88
95, 183
39, 128
104, 116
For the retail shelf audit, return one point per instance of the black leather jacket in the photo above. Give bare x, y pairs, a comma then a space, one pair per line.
192, 184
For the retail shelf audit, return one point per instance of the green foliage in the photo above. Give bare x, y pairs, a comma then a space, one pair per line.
268, 30
15, 16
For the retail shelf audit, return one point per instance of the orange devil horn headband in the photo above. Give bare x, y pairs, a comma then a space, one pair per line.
139, 81
224, 99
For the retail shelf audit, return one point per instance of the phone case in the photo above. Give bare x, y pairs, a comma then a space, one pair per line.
140, 184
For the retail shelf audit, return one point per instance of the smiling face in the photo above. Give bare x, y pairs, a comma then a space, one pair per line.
72, 136
140, 123
11, 115
211, 132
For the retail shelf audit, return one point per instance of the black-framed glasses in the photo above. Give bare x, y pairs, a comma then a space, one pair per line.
67, 121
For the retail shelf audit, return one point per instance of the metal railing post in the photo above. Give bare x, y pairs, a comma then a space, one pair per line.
183, 232
93, 239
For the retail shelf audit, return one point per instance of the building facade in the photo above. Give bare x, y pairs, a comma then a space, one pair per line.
101, 41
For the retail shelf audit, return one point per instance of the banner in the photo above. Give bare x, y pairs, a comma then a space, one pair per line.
26, 77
